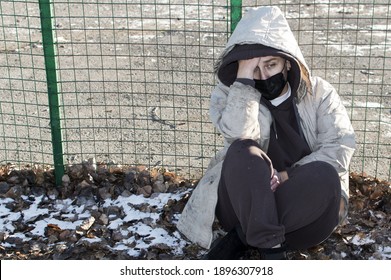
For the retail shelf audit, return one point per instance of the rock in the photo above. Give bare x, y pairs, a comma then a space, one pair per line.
37, 246
15, 192
86, 224
39, 178
144, 178
38, 191
160, 187
65, 180
14, 180
4, 187
64, 235
3, 236
59, 248
146, 190
129, 180
103, 219
25, 183
113, 212
126, 193
14, 240
53, 193
86, 197
76, 172
90, 165
117, 236
84, 184
52, 239
114, 167
104, 193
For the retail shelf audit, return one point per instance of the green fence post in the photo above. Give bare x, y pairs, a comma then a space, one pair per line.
51, 76
236, 13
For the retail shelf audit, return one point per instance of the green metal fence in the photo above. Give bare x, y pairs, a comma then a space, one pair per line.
128, 81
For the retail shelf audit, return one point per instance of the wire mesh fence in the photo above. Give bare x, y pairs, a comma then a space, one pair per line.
129, 81
24, 112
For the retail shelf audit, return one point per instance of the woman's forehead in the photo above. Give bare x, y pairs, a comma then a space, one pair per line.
267, 59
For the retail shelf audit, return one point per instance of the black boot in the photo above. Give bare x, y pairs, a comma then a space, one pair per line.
228, 247
273, 253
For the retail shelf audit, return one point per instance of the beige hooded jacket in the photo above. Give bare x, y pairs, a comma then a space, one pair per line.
237, 113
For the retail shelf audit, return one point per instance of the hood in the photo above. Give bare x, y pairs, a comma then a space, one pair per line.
267, 30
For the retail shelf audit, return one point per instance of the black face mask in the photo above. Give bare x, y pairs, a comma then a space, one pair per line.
271, 88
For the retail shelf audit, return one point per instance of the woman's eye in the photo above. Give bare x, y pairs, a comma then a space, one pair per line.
270, 65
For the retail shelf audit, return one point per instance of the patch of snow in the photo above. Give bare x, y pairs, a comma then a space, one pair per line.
361, 240
386, 252
68, 216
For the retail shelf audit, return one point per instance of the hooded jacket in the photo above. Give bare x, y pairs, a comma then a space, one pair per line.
236, 111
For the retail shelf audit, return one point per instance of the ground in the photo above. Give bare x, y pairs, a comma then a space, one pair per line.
117, 212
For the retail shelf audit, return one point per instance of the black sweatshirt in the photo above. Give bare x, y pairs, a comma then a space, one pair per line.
287, 145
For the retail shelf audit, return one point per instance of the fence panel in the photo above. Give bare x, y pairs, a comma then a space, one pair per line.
24, 112
134, 77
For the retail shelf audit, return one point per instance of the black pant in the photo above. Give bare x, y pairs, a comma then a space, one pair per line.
303, 211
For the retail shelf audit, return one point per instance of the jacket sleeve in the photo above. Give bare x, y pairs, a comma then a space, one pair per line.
234, 111
334, 135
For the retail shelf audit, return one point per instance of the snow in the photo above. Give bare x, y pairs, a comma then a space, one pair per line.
386, 252
361, 240
68, 216
139, 229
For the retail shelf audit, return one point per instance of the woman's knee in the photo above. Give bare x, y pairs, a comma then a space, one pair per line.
242, 145
327, 173
246, 149
244, 154
318, 170
318, 176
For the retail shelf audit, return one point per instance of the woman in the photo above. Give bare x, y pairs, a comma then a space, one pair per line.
281, 180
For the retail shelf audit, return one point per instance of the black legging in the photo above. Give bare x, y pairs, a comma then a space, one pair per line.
303, 211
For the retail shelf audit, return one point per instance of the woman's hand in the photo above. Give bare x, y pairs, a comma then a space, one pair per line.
277, 179
247, 68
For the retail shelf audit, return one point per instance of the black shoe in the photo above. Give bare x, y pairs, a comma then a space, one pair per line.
228, 247
273, 253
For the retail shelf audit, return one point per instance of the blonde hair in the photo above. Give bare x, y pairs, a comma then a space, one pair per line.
305, 77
